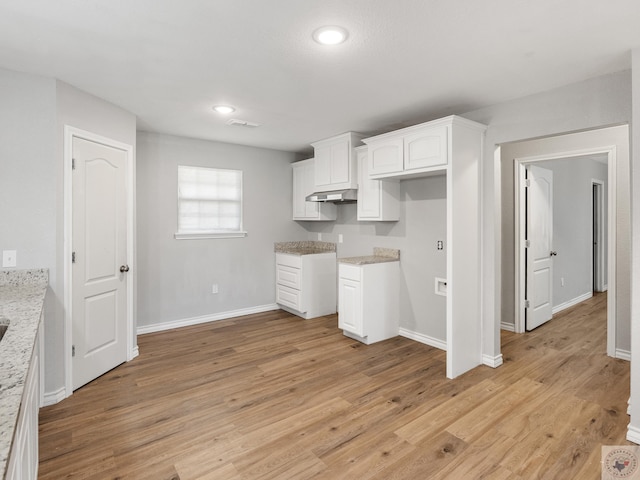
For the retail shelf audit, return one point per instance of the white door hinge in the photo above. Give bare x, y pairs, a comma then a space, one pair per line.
73, 164
527, 183
527, 243
527, 304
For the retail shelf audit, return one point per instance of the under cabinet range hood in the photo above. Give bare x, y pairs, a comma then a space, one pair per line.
336, 196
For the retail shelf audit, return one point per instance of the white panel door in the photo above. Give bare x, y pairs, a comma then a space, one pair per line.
539, 251
99, 278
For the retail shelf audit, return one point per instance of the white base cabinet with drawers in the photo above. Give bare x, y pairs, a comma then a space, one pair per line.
368, 301
306, 284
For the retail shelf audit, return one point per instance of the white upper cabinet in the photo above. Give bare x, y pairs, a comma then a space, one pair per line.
412, 151
378, 200
303, 185
425, 148
335, 163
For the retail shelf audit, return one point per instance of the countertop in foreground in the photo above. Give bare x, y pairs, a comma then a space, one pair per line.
21, 299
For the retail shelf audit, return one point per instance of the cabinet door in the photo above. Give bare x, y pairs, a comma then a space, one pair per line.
427, 148
368, 190
299, 192
350, 306
386, 156
322, 175
311, 209
340, 164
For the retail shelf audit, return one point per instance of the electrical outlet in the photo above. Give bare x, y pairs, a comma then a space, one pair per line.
9, 258
214, 288
440, 244
319, 236
340, 238
562, 281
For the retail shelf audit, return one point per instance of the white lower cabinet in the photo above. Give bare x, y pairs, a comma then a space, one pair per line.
368, 301
23, 459
306, 284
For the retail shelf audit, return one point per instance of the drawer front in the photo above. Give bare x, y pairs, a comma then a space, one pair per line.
350, 272
288, 297
288, 276
289, 260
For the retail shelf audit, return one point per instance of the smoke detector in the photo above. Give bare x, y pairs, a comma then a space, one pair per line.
242, 123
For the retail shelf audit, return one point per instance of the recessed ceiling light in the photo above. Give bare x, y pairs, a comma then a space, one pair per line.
224, 109
330, 35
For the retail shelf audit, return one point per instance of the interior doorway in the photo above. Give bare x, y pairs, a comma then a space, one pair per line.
524, 306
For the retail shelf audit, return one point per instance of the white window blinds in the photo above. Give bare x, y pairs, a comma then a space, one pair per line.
209, 202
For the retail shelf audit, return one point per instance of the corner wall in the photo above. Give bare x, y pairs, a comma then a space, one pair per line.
175, 276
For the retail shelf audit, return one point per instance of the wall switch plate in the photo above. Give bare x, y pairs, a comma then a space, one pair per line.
9, 258
214, 288
319, 236
340, 238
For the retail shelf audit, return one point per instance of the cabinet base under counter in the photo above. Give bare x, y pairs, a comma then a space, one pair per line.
368, 301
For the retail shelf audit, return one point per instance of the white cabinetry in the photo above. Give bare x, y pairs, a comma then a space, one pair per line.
335, 164
378, 200
306, 284
452, 147
411, 151
368, 309
23, 459
303, 185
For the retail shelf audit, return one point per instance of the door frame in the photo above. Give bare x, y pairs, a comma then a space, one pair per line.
597, 206
520, 227
69, 134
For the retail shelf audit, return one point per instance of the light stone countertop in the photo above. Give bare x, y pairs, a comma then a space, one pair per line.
22, 295
380, 255
305, 247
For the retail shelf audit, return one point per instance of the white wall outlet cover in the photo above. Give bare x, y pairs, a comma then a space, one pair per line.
340, 239
9, 258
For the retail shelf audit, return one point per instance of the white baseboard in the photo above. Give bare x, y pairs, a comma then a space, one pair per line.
427, 340
134, 353
572, 302
51, 398
510, 327
633, 434
185, 322
493, 362
623, 354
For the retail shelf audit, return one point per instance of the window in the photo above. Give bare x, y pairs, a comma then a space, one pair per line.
209, 203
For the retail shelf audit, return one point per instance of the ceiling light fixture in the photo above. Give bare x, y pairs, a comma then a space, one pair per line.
330, 35
224, 109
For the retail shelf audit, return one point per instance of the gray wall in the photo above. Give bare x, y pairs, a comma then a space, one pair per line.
573, 225
593, 103
422, 223
175, 276
28, 195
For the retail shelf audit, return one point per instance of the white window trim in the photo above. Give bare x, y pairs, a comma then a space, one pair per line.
193, 236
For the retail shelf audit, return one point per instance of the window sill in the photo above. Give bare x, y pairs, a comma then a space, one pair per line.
195, 236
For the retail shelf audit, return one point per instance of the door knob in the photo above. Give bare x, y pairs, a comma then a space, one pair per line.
124, 268
552, 253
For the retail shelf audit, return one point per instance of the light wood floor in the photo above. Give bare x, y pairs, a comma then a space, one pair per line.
272, 396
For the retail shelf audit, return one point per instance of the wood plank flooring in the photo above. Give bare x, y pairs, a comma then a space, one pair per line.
272, 396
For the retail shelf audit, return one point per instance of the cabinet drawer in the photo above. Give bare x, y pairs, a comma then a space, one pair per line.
350, 272
288, 297
289, 260
288, 276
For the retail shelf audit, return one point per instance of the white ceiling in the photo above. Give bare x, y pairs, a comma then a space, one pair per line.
406, 61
